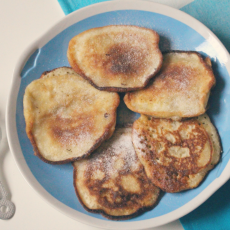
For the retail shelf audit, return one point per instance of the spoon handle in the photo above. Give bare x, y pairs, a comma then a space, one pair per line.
3, 192
7, 208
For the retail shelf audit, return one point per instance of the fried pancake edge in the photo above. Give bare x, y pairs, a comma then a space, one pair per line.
107, 134
102, 212
109, 129
129, 98
194, 179
156, 195
76, 67
205, 121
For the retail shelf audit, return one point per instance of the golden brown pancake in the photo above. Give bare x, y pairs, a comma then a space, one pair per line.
181, 88
112, 180
176, 154
67, 118
116, 58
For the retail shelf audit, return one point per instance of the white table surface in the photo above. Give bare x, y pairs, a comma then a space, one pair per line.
21, 22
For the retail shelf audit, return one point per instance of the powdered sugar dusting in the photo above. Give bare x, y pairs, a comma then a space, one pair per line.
115, 156
138, 142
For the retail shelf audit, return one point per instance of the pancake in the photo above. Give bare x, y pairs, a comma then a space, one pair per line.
181, 89
176, 154
67, 118
112, 180
116, 58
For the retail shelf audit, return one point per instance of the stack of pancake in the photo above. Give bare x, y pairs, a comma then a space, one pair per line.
174, 140
70, 116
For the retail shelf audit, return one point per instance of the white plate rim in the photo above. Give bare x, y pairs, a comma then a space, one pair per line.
67, 21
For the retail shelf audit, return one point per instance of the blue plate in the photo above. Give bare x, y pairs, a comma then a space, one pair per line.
57, 180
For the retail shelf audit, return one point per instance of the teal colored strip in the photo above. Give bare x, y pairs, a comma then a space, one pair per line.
215, 15
214, 214
68, 6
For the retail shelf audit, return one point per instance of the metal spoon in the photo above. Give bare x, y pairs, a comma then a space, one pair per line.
7, 208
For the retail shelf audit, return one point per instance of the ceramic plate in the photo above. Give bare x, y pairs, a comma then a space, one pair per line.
178, 31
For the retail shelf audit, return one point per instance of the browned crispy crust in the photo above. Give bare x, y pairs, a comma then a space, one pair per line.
98, 211
172, 175
106, 135
77, 68
49, 71
211, 84
205, 61
114, 89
